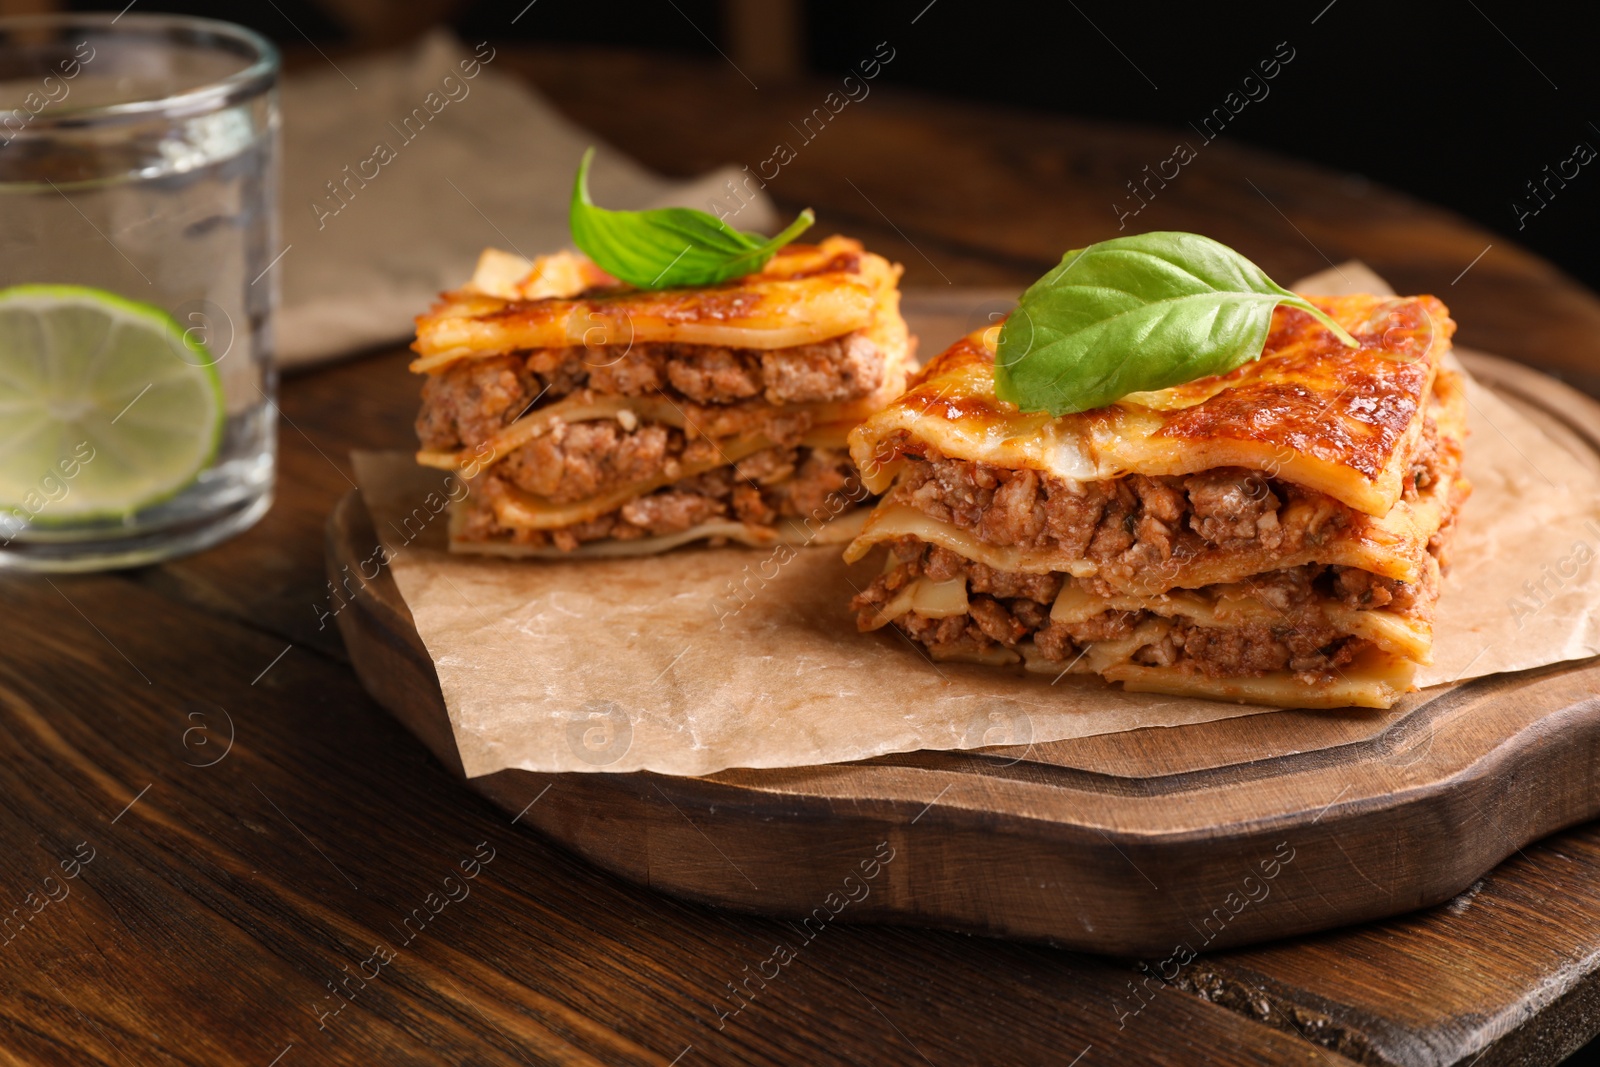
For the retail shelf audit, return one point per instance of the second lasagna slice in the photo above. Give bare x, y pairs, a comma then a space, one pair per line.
1271, 535
594, 418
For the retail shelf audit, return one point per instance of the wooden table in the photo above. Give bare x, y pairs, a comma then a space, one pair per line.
231, 826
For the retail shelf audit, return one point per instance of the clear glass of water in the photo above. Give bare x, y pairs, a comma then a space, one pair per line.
138, 245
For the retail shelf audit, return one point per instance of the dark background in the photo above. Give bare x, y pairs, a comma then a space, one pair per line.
1459, 103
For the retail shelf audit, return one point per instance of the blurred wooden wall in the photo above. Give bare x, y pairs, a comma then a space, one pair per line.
766, 38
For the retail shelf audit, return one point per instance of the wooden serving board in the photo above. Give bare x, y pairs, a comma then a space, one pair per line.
1224, 833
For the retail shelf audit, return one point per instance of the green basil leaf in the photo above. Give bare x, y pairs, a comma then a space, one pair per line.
671, 247
1147, 311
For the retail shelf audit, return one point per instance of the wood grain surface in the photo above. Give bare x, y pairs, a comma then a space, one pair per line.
221, 900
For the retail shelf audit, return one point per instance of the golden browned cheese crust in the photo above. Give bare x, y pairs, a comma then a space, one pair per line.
1310, 394
804, 294
1340, 421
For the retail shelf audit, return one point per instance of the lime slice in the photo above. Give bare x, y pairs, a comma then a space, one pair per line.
106, 405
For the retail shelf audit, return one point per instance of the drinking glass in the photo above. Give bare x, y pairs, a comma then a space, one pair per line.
138, 245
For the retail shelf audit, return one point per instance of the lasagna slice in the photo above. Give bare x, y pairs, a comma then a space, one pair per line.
1272, 535
592, 418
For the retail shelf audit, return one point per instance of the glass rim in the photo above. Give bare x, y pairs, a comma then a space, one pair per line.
258, 75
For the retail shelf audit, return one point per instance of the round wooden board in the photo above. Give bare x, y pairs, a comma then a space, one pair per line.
1224, 833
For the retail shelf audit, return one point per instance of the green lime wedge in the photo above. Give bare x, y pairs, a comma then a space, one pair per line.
106, 404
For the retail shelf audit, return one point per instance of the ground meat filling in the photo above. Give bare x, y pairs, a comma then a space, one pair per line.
1362, 589
1423, 470
579, 460
469, 402
814, 484
1232, 506
1312, 654
1137, 521
472, 401
1007, 609
573, 461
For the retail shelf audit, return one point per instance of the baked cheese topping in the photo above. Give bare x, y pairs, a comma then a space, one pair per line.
1319, 415
804, 294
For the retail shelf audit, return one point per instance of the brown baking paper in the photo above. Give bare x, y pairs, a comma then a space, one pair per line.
710, 658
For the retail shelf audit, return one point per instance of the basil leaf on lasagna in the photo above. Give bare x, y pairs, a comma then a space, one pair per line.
668, 248
1137, 313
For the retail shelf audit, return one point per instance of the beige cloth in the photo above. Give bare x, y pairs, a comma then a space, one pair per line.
482, 161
